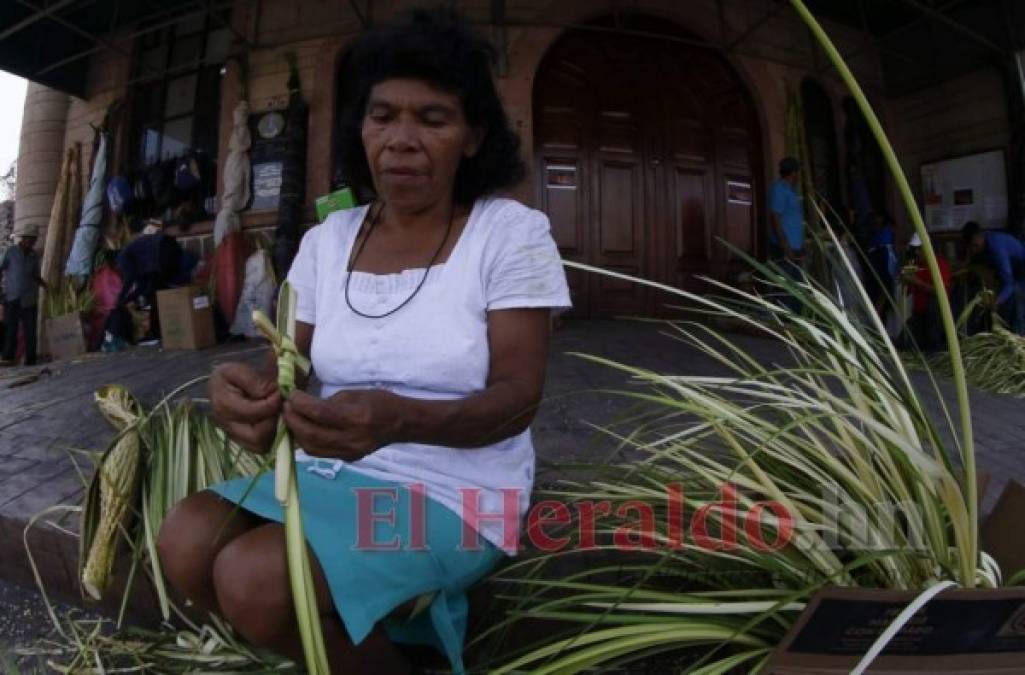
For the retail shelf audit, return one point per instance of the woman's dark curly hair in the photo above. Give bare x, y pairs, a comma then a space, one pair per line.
438, 47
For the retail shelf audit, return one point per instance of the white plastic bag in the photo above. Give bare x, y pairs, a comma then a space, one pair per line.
257, 293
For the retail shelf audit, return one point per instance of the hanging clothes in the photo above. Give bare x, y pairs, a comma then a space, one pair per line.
87, 236
236, 192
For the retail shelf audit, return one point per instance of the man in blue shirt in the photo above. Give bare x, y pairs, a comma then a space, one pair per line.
19, 267
786, 234
786, 220
1006, 254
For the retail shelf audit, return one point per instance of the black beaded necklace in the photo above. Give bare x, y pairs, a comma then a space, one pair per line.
352, 264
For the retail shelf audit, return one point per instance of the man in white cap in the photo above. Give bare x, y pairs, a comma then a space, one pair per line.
924, 323
19, 268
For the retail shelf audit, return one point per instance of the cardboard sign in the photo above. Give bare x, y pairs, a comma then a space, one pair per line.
1001, 533
186, 318
65, 336
959, 631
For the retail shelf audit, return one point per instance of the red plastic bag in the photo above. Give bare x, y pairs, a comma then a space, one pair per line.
229, 266
106, 286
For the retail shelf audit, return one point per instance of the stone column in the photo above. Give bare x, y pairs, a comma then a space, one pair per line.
39, 155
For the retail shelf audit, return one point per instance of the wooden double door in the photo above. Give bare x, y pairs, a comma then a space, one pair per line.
646, 153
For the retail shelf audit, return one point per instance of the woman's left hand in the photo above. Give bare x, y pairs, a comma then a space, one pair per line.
349, 425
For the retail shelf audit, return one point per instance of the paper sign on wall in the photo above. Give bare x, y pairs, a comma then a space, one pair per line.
973, 187
266, 185
739, 192
561, 177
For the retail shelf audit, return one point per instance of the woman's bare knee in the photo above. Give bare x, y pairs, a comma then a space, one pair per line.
191, 536
250, 579
253, 590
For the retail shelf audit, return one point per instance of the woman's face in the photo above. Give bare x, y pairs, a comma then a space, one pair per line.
415, 136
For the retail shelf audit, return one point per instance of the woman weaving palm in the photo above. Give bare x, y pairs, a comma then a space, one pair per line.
426, 317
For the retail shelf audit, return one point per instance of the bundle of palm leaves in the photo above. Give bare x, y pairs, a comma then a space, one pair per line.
837, 441
156, 459
832, 455
994, 360
186, 454
67, 298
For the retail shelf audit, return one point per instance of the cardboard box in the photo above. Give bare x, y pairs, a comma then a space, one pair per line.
1001, 533
65, 336
978, 631
334, 201
186, 318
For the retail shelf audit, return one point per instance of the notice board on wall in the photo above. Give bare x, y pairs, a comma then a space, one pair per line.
972, 187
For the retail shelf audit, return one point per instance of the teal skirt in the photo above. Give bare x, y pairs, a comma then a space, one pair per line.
381, 546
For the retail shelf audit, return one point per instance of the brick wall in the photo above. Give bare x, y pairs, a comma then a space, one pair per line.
107, 77
779, 51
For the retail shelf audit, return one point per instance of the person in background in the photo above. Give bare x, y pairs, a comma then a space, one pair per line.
786, 220
21, 281
882, 260
150, 263
924, 323
1005, 253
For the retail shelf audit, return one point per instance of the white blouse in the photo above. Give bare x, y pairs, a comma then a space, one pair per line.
436, 347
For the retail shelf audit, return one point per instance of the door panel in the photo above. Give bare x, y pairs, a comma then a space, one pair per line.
740, 220
619, 182
562, 201
636, 141
619, 241
692, 224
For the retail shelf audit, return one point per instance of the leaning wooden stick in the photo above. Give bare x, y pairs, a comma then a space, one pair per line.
282, 339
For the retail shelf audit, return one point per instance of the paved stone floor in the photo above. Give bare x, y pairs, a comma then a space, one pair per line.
42, 422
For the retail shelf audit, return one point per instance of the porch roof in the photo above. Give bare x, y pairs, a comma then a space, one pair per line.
921, 42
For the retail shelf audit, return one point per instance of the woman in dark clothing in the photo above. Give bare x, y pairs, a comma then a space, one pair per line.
151, 263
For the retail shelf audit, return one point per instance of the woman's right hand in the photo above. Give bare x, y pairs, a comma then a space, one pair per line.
246, 404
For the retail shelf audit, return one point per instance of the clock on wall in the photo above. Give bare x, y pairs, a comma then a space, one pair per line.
270, 125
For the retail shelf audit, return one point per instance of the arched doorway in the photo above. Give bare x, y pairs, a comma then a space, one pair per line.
648, 153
